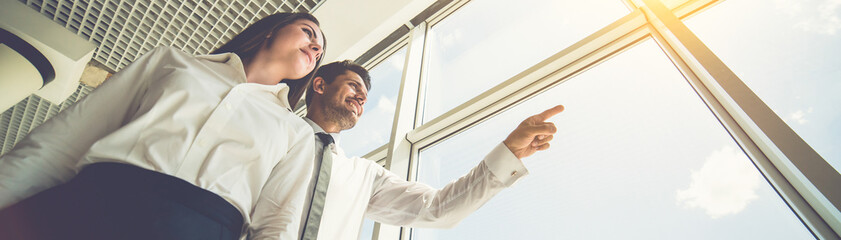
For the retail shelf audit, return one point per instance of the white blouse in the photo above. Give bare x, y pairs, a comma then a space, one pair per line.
192, 117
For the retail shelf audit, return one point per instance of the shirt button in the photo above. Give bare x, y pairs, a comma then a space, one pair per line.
513, 173
201, 143
228, 106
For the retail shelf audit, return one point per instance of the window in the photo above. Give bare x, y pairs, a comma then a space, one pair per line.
671, 4
367, 231
374, 127
638, 156
783, 51
488, 41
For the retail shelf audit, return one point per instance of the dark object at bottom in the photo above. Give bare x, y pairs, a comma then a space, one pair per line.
121, 201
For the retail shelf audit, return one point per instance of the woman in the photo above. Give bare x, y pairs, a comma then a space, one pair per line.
174, 146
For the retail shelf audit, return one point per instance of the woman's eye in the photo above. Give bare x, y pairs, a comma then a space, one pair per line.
309, 33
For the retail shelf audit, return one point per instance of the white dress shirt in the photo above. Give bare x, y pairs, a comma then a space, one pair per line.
192, 117
362, 188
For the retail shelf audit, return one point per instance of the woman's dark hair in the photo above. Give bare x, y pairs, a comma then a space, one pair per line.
247, 43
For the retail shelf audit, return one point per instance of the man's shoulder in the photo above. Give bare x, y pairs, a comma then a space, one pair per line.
371, 164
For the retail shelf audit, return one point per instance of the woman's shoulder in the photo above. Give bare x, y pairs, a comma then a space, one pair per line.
166, 50
163, 54
170, 54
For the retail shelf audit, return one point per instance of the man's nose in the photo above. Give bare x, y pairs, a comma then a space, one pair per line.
362, 97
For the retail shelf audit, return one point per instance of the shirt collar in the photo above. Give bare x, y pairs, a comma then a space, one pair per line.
231, 59
281, 90
318, 129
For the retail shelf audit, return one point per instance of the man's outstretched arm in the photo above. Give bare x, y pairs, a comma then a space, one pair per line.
399, 202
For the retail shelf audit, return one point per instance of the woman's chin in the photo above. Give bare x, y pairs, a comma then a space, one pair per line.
302, 72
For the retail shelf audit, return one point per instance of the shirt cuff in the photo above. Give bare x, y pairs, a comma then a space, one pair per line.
505, 166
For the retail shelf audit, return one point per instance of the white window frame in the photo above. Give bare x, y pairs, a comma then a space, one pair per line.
805, 181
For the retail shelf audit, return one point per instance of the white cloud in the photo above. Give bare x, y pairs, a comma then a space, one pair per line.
790, 7
800, 116
396, 61
448, 38
817, 16
724, 185
385, 105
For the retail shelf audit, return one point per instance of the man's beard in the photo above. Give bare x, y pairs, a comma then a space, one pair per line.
340, 115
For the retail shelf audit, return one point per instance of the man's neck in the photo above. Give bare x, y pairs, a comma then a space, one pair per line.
325, 124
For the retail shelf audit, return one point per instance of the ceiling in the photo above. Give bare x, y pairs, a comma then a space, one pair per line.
123, 30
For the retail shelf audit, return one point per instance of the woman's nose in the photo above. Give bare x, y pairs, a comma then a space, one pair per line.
316, 48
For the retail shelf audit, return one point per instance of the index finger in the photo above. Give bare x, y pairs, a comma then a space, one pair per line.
549, 113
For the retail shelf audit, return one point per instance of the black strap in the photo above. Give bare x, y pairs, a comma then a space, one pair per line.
30, 53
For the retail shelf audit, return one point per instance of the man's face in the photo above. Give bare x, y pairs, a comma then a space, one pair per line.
344, 99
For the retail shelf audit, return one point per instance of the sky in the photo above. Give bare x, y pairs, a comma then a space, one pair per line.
788, 53
638, 155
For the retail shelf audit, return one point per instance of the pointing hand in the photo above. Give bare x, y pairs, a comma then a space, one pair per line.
533, 134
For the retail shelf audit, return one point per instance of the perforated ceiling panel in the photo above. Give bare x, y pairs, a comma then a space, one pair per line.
124, 30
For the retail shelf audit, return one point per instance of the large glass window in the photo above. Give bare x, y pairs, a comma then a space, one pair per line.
673, 3
373, 128
788, 53
367, 232
637, 156
488, 41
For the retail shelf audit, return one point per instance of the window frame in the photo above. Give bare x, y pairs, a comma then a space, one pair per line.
792, 167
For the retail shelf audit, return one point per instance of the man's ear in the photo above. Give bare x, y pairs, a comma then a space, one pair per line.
318, 85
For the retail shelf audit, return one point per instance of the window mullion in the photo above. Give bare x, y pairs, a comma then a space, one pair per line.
398, 155
754, 125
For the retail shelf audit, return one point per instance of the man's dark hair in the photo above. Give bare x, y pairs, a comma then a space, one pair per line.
332, 70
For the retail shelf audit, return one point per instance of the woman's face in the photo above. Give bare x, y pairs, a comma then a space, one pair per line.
295, 49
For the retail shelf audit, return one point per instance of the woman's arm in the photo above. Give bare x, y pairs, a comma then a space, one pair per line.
278, 211
49, 154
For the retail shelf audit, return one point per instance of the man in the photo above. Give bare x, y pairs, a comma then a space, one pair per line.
359, 187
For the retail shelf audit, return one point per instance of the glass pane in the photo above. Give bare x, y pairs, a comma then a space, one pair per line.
788, 52
638, 156
367, 232
373, 129
672, 3
488, 41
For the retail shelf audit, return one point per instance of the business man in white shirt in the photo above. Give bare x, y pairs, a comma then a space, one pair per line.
360, 187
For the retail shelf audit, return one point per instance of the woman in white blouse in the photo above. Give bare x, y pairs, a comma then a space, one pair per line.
173, 146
